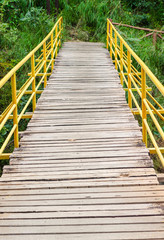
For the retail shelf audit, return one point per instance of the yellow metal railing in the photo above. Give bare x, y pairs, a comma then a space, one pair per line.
133, 73
41, 67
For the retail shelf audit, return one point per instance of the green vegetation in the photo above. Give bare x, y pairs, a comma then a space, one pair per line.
24, 23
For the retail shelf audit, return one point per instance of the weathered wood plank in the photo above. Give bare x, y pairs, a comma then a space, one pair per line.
82, 229
97, 236
81, 214
82, 221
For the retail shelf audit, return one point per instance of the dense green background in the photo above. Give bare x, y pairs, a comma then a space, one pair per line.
24, 23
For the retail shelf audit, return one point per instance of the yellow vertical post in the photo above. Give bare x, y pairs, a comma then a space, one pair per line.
61, 27
144, 115
33, 82
60, 33
115, 43
129, 79
56, 39
107, 38
52, 51
15, 112
121, 61
111, 39
45, 64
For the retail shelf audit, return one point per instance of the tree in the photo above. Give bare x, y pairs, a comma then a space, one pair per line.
48, 7
56, 6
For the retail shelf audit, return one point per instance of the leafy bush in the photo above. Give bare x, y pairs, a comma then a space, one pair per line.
36, 19
8, 35
149, 12
11, 10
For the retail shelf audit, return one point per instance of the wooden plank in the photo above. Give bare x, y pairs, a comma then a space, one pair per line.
52, 160
85, 208
83, 167
30, 186
78, 193
117, 181
97, 236
82, 221
82, 229
40, 201
94, 182
120, 177
81, 214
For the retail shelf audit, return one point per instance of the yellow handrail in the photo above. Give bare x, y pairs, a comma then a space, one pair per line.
49, 50
125, 58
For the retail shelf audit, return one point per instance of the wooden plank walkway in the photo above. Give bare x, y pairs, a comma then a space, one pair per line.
82, 171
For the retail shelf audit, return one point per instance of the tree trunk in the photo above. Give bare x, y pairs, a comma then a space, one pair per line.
57, 5
48, 7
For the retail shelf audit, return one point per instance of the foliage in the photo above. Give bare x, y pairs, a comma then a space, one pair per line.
12, 9
147, 12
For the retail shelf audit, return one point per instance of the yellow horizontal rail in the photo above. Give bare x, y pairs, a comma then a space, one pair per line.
153, 150
5, 156
24, 116
133, 80
41, 67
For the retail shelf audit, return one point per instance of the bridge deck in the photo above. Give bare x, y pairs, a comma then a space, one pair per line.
82, 171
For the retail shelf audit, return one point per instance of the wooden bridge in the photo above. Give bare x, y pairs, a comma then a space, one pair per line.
82, 170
